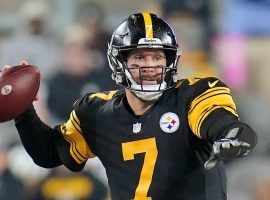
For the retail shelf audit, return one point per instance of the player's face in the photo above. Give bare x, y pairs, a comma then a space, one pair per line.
147, 66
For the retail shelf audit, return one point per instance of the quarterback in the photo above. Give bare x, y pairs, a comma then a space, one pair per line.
158, 138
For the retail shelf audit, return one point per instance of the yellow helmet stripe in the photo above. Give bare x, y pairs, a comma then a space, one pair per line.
148, 25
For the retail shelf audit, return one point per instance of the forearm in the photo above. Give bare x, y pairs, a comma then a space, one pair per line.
38, 139
241, 132
230, 137
220, 122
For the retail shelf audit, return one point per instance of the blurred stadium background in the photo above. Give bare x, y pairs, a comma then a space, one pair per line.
67, 39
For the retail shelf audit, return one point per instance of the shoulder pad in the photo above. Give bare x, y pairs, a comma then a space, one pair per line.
202, 84
103, 95
93, 98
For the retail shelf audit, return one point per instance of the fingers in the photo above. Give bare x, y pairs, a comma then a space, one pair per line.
36, 98
236, 143
7, 67
211, 163
244, 144
226, 148
226, 144
23, 62
216, 147
245, 153
4, 69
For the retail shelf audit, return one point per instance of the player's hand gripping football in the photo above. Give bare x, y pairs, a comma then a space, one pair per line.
7, 67
229, 147
4, 69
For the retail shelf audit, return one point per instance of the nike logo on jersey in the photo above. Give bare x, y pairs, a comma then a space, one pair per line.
212, 84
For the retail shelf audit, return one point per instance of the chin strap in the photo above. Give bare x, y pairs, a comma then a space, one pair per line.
147, 96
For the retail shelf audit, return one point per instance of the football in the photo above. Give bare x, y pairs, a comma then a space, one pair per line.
18, 88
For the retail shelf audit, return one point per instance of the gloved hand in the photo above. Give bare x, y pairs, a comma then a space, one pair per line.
230, 147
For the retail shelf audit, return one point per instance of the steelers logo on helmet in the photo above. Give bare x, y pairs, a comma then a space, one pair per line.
169, 122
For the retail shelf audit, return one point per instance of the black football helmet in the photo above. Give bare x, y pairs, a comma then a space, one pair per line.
143, 30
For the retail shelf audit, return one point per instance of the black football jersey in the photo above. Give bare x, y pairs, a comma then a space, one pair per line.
159, 155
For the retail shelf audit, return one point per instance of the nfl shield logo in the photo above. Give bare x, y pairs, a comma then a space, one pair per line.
137, 127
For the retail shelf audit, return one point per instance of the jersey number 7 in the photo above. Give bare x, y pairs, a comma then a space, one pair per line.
149, 147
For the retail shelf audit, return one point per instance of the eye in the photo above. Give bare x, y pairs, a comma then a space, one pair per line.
138, 57
158, 57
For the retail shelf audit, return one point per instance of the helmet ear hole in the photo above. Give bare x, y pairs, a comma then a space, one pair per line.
123, 56
112, 63
171, 56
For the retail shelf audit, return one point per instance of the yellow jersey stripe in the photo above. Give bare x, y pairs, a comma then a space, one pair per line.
193, 80
208, 111
103, 96
63, 130
178, 85
222, 99
207, 94
79, 148
79, 140
75, 123
76, 119
212, 90
75, 126
72, 149
148, 25
205, 106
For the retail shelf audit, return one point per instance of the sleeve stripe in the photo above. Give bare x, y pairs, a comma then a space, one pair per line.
197, 132
74, 146
79, 146
73, 149
74, 153
71, 131
213, 90
74, 116
205, 99
74, 121
76, 125
208, 93
207, 112
77, 128
201, 108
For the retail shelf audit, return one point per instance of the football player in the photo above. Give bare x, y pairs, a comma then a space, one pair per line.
158, 137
